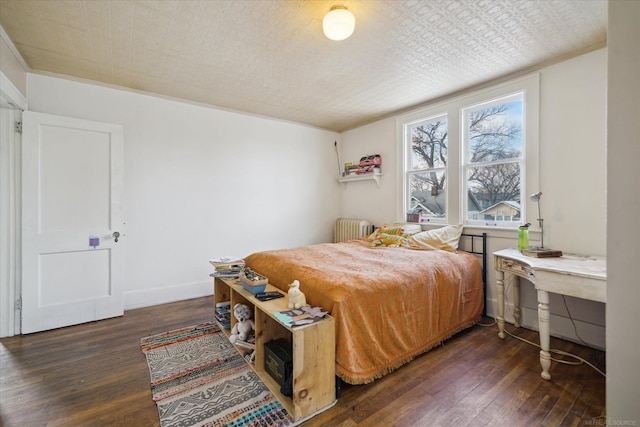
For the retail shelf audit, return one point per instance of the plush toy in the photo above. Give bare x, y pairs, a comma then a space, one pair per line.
244, 325
296, 297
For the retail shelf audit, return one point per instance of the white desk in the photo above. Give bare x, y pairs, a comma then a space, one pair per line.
573, 275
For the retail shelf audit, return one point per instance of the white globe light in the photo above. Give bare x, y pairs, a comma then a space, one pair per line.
339, 23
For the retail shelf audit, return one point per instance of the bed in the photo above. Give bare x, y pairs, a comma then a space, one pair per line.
390, 303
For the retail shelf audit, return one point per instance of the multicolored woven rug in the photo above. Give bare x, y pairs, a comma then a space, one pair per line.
199, 379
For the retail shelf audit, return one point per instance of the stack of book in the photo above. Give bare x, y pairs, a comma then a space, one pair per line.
300, 316
541, 253
223, 314
227, 267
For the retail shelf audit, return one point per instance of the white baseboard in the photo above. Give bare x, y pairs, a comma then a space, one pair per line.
164, 295
561, 327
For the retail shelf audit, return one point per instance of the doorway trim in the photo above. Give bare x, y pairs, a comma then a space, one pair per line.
12, 103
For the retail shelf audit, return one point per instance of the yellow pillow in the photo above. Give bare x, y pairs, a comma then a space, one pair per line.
445, 238
387, 240
385, 229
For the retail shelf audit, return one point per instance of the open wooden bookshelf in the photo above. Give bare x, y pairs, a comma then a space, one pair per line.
313, 350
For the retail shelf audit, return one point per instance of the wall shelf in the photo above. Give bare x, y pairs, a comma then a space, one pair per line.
366, 177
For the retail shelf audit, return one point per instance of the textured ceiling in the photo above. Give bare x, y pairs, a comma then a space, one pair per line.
270, 58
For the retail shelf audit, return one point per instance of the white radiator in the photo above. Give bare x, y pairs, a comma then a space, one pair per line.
350, 229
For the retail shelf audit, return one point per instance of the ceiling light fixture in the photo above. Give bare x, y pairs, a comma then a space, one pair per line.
339, 23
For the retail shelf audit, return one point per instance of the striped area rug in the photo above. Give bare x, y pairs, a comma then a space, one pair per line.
199, 379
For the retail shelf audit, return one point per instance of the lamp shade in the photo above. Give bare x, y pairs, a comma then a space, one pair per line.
339, 23
535, 197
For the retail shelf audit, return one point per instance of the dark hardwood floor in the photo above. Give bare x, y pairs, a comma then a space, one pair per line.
95, 375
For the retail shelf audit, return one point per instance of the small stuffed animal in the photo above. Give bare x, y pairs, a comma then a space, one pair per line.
296, 297
244, 325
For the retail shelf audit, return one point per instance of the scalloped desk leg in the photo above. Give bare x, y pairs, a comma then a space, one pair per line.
500, 291
543, 325
516, 302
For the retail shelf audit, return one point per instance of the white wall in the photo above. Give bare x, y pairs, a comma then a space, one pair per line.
572, 175
573, 153
202, 183
364, 199
623, 199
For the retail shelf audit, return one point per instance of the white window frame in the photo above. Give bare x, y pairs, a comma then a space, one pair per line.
466, 161
408, 162
456, 180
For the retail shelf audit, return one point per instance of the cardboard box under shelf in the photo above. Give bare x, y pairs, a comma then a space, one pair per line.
278, 361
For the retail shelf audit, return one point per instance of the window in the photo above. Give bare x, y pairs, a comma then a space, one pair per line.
468, 160
493, 161
428, 168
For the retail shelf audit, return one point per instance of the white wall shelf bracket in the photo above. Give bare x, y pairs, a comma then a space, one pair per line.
366, 177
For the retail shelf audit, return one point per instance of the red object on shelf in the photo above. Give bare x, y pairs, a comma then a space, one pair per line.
363, 170
373, 160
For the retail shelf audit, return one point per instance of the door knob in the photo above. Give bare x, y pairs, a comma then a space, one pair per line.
115, 235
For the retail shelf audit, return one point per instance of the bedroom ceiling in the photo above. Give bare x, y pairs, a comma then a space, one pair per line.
270, 58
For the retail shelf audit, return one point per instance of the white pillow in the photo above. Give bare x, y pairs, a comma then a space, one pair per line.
445, 238
411, 229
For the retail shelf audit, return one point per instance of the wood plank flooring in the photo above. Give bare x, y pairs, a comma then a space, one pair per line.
95, 375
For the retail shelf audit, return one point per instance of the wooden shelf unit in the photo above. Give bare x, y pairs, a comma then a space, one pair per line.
313, 350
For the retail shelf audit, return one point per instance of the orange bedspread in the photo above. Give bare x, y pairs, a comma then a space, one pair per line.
390, 304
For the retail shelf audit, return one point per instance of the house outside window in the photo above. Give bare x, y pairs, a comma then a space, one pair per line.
472, 159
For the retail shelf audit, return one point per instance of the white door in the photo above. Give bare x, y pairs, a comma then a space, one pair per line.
72, 174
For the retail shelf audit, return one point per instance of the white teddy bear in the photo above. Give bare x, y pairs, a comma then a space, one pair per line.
244, 326
296, 297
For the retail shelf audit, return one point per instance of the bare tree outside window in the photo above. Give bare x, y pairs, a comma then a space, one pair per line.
492, 159
427, 174
494, 149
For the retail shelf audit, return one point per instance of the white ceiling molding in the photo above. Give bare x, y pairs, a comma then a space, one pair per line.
4, 36
10, 94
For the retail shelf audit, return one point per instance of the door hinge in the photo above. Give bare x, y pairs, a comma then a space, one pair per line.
18, 127
19, 304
